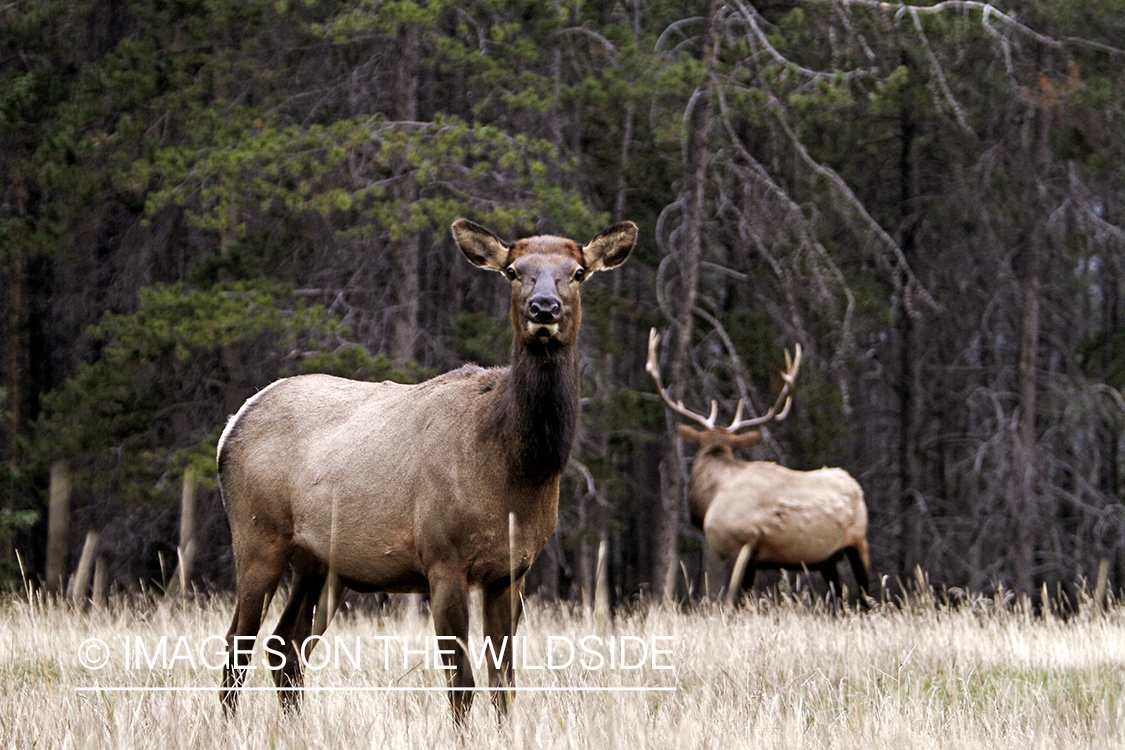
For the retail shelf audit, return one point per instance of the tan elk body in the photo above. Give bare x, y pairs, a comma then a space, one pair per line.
764, 515
412, 488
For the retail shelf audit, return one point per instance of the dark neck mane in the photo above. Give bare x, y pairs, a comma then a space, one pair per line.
536, 417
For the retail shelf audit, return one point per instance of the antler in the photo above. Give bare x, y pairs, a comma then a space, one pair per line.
789, 377
776, 413
678, 407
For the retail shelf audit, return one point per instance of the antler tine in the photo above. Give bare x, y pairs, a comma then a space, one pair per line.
678, 407
780, 408
650, 366
792, 365
737, 414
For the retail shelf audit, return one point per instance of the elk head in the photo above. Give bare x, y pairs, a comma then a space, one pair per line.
545, 273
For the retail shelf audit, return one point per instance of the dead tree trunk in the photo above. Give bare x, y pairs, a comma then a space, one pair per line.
80, 583
406, 250
910, 389
689, 256
17, 347
187, 548
58, 526
1025, 505
100, 592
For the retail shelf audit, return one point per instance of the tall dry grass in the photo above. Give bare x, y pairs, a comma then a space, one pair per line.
781, 675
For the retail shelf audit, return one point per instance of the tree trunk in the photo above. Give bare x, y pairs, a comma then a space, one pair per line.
601, 585
58, 526
689, 256
406, 251
543, 577
187, 548
100, 591
911, 504
627, 127
585, 564
622, 190
80, 583
1025, 505
911, 393
16, 356
1025, 502
406, 286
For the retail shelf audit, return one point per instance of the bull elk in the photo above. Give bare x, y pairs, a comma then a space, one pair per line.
431, 488
757, 514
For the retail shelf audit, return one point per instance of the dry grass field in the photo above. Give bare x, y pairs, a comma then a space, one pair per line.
778, 675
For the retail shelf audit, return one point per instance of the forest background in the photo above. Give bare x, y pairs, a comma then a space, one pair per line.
200, 196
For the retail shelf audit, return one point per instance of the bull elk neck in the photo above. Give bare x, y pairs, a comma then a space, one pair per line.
434, 487
756, 514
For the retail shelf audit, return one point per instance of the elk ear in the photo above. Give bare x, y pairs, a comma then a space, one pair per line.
611, 247
689, 434
748, 440
480, 246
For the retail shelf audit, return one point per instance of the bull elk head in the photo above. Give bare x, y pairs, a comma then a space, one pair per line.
757, 514
431, 488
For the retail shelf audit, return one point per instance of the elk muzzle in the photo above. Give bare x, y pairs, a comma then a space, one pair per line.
544, 308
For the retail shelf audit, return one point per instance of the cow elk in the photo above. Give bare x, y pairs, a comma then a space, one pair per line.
430, 488
757, 514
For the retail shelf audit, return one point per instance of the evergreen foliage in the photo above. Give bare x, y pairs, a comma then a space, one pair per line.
200, 196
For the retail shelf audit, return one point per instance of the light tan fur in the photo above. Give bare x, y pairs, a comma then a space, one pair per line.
409, 488
782, 518
788, 519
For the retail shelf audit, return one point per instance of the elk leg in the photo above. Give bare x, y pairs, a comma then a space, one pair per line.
857, 556
746, 587
741, 577
748, 578
257, 580
501, 603
293, 628
449, 603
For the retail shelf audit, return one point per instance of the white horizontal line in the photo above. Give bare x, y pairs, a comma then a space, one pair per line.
364, 689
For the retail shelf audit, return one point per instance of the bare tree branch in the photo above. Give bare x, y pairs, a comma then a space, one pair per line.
988, 11
958, 112
753, 18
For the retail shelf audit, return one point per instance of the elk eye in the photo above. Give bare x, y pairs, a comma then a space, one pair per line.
510, 273
580, 274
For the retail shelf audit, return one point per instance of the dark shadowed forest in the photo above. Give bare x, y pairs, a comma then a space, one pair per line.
198, 197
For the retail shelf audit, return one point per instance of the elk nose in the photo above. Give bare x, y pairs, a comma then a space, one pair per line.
544, 309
